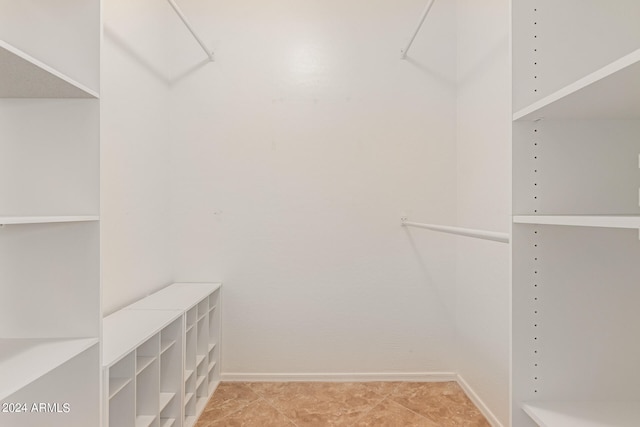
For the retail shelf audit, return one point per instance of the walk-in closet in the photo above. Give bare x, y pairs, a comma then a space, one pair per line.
319, 213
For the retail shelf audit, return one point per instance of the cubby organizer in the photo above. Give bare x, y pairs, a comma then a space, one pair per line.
576, 180
142, 360
199, 304
49, 223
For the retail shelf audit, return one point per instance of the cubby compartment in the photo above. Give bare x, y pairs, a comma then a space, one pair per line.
70, 388
50, 280
122, 409
557, 43
576, 167
577, 297
147, 346
121, 374
50, 164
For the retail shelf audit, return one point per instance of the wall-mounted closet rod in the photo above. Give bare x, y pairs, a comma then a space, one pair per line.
415, 33
468, 232
191, 30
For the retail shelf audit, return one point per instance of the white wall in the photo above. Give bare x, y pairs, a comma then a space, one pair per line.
294, 155
484, 199
136, 247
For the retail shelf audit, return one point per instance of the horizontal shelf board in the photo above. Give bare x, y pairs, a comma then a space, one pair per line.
611, 92
212, 365
145, 420
10, 220
189, 420
117, 384
583, 414
166, 345
25, 77
167, 422
125, 330
178, 296
199, 359
608, 221
187, 398
25, 360
187, 374
212, 308
189, 327
200, 380
165, 398
202, 316
212, 346
142, 362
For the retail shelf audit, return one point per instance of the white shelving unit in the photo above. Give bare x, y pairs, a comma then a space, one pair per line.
142, 368
49, 223
199, 303
576, 180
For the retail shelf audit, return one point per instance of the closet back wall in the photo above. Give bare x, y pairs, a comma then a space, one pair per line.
293, 157
136, 250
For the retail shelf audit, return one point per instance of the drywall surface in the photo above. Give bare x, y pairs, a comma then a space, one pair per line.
483, 200
294, 155
136, 250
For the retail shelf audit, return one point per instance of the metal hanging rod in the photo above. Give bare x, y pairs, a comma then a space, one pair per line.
468, 232
191, 30
415, 33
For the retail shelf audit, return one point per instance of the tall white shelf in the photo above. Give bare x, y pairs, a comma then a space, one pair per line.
49, 223
576, 246
200, 303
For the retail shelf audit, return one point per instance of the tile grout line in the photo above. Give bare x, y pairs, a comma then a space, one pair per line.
260, 396
383, 398
411, 410
233, 412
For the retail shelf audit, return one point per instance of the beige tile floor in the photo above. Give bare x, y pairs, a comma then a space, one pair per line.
314, 404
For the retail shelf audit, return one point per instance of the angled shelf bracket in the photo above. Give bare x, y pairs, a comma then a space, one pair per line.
191, 30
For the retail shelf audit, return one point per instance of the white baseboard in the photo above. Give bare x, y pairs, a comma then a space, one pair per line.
493, 420
341, 377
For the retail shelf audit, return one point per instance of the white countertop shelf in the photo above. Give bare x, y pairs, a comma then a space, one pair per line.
124, 330
611, 92
584, 414
17, 220
607, 221
178, 296
23, 361
25, 77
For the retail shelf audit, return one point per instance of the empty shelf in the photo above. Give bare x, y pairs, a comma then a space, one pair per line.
200, 380
187, 398
212, 365
584, 414
611, 92
25, 77
212, 346
199, 359
166, 345
608, 221
117, 384
167, 422
200, 405
25, 360
145, 420
6, 220
142, 362
165, 398
189, 421
187, 374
